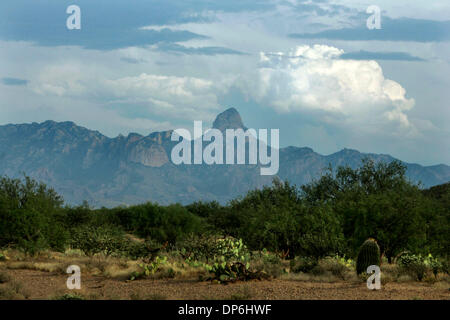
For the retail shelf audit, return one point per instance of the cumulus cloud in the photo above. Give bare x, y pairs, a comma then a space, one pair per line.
163, 95
314, 78
177, 96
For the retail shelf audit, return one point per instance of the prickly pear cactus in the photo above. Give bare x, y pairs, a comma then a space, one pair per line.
369, 254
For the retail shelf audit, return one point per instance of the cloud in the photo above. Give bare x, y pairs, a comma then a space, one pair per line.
370, 55
14, 82
210, 51
105, 25
132, 60
108, 25
401, 29
176, 97
179, 97
318, 8
314, 80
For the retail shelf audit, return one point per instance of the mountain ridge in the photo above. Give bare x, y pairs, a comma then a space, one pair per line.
83, 164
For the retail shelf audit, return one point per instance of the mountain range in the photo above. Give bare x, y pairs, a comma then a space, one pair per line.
83, 164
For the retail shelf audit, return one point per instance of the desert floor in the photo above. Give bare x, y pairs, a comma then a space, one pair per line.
34, 284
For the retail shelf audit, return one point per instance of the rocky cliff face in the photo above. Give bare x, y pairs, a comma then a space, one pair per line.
229, 119
83, 164
149, 151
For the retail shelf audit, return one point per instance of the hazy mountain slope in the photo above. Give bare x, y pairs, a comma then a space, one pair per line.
85, 165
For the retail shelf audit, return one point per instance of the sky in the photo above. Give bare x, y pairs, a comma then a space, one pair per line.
312, 69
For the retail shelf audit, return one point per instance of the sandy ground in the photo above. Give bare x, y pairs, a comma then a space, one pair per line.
45, 285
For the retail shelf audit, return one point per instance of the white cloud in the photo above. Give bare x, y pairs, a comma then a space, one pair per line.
177, 96
164, 95
313, 78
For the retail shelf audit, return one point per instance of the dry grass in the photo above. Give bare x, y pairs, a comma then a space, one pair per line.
142, 296
99, 265
13, 290
243, 293
4, 277
55, 262
116, 271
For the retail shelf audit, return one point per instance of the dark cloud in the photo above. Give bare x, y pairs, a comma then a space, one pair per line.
132, 60
368, 55
14, 82
110, 40
317, 8
108, 24
402, 29
176, 48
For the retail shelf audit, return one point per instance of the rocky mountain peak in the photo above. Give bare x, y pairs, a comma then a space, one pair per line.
229, 119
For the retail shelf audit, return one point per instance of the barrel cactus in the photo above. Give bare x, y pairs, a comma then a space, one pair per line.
369, 254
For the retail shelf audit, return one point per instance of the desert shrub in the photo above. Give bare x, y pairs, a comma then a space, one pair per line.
4, 277
433, 264
436, 211
77, 216
28, 215
172, 223
199, 247
233, 264
135, 249
69, 296
204, 209
418, 266
319, 270
278, 219
232, 249
268, 263
13, 290
211, 247
335, 267
413, 265
375, 200
226, 259
244, 293
231, 271
303, 264
95, 239
331, 267
149, 269
446, 266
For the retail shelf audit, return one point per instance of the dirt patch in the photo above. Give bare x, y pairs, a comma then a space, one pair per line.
46, 285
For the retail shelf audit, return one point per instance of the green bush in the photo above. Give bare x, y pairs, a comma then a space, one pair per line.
211, 247
149, 269
135, 250
303, 264
172, 223
418, 266
335, 266
69, 296
28, 215
95, 239
331, 215
199, 247
278, 219
375, 200
272, 264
